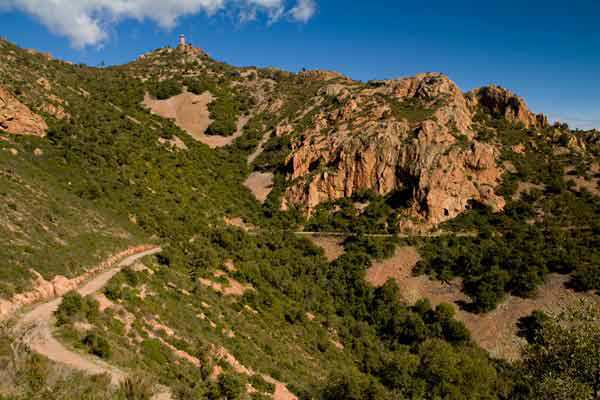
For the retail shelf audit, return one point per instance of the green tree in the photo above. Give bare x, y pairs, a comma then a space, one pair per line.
97, 345
564, 361
231, 386
71, 305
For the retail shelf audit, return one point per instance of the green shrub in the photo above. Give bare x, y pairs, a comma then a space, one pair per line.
97, 345
75, 307
224, 112
155, 351
531, 327
166, 89
136, 387
71, 305
231, 386
259, 383
196, 86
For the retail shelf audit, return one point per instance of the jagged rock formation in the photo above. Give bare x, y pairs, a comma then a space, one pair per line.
16, 118
502, 103
412, 135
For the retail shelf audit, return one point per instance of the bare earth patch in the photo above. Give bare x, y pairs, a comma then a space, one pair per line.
232, 288
190, 113
239, 223
260, 184
103, 302
174, 143
332, 246
281, 391
494, 331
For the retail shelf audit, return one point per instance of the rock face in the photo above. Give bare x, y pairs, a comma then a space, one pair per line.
428, 150
16, 118
503, 103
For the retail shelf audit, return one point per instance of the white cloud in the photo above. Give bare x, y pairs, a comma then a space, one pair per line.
304, 10
85, 22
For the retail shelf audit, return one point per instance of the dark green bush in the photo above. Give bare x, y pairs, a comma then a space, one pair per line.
75, 307
531, 327
231, 386
165, 89
97, 345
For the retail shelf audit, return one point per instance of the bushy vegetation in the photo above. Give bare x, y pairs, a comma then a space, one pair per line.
411, 110
274, 153
516, 261
224, 113
166, 89
97, 345
227, 106
561, 358
363, 213
74, 307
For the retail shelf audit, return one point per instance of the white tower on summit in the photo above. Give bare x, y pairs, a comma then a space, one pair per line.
182, 40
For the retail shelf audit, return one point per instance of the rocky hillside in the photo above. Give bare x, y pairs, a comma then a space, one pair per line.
239, 305
17, 118
418, 135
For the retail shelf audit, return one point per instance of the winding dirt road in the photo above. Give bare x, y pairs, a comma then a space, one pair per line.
38, 323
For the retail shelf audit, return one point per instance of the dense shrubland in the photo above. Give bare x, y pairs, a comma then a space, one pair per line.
164, 90
363, 213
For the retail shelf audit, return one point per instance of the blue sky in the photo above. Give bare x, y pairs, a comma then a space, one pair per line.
546, 51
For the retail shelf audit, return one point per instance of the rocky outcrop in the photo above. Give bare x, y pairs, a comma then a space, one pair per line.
502, 103
361, 144
56, 111
191, 51
16, 118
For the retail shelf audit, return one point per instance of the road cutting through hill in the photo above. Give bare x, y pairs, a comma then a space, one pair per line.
38, 324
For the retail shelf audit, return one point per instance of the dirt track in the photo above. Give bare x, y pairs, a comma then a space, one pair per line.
259, 149
39, 324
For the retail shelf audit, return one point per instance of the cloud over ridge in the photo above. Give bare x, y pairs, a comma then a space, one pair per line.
85, 22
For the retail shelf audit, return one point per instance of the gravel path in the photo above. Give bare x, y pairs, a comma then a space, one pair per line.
39, 323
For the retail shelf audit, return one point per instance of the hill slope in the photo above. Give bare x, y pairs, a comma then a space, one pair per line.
226, 313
